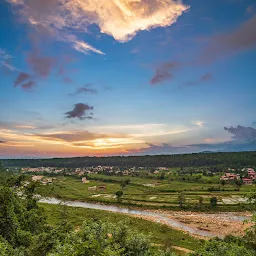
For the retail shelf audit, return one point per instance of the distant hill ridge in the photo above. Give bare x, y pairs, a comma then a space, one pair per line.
242, 159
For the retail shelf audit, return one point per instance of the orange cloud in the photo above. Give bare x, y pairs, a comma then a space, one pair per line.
121, 19
116, 139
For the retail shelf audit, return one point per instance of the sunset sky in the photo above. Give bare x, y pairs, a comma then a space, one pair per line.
126, 77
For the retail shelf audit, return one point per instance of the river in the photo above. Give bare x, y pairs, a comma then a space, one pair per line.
159, 217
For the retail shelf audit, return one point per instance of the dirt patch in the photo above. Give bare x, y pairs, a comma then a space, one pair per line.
97, 195
217, 224
213, 224
181, 249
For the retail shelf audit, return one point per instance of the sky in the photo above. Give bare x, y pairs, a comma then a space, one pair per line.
126, 77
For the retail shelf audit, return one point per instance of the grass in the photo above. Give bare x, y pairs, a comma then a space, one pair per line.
160, 234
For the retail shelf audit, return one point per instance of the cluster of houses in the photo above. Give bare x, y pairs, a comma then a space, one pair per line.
251, 176
111, 170
43, 180
42, 169
248, 177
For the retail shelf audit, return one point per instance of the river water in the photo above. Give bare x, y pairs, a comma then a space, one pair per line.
160, 217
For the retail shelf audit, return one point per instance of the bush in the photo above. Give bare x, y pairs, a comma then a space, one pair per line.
217, 247
213, 201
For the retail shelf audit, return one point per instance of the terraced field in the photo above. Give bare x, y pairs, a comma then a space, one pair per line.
151, 193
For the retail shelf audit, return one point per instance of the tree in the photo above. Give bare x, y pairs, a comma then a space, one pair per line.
162, 176
24, 232
200, 201
250, 235
8, 221
125, 183
104, 238
238, 183
181, 199
213, 201
119, 194
223, 183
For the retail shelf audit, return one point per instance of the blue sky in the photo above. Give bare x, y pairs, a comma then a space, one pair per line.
126, 77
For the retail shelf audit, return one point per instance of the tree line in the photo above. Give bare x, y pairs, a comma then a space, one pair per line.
214, 160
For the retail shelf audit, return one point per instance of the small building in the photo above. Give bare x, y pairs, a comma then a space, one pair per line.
94, 188
84, 180
251, 174
247, 181
230, 177
48, 180
224, 178
162, 169
102, 187
58, 171
37, 178
126, 173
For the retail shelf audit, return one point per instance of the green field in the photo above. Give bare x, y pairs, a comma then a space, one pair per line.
149, 192
161, 235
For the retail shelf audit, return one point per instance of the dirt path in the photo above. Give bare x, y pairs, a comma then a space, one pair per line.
177, 248
181, 249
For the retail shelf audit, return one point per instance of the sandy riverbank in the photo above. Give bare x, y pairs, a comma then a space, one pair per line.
199, 224
218, 224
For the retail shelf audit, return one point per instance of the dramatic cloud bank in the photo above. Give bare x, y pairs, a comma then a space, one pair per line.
243, 139
241, 133
162, 149
121, 19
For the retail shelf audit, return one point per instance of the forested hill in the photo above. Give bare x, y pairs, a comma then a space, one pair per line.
237, 159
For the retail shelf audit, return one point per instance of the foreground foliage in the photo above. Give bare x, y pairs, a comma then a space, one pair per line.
159, 235
25, 232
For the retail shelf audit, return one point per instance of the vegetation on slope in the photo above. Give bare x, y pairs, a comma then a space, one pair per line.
159, 234
25, 232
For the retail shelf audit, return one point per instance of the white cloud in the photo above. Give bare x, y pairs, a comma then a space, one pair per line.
4, 60
198, 123
4, 55
84, 47
144, 131
121, 19
8, 66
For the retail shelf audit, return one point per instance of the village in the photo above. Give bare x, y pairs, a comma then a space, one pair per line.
45, 175
44, 172
248, 176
